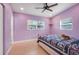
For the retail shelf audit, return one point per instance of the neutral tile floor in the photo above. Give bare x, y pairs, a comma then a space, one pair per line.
27, 47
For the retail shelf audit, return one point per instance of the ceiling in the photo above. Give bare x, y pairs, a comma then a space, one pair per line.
30, 8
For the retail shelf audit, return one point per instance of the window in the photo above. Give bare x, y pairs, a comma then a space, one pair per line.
35, 25
41, 25
66, 24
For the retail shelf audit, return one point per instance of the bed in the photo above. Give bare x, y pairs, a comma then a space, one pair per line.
62, 47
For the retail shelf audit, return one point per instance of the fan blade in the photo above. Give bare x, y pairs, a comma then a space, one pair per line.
53, 5
39, 8
49, 9
46, 4
43, 10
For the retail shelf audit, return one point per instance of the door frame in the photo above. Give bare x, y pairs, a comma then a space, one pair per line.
3, 29
11, 27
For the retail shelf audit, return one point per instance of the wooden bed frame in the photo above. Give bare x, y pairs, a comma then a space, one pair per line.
50, 49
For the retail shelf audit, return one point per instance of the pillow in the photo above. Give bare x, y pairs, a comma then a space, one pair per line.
58, 37
50, 37
65, 37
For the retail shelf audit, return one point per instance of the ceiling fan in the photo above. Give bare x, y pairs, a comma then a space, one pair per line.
47, 7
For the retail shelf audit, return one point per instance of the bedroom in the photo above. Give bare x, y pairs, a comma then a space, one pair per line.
25, 23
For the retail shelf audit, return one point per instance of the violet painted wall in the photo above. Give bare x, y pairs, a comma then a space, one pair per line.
20, 27
7, 24
74, 14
